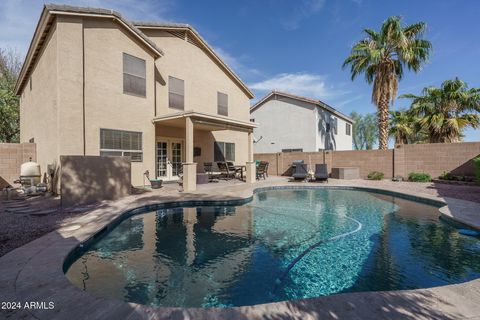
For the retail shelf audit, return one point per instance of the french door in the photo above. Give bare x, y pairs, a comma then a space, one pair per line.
169, 158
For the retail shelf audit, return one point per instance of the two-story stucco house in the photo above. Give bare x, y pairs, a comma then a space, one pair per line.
293, 123
94, 83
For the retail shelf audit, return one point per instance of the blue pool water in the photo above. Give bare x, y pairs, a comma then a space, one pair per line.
283, 245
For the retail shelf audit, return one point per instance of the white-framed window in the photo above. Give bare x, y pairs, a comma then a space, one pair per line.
222, 104
134, 76
121, 143
176, 93
348, 129
223, 151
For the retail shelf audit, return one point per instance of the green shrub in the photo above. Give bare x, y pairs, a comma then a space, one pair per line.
419, 177
446, 176
476, 163
375, 175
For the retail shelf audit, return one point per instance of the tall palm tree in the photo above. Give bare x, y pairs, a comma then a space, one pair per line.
382, 56
446, 111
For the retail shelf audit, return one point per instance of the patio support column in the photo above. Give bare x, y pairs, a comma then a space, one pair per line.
189, 167
251, 169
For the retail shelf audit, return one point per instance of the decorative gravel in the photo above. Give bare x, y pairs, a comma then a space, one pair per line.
22, 224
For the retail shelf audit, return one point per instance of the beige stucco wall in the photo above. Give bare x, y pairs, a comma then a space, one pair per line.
88, 179
203, 78
39, 106
106, 106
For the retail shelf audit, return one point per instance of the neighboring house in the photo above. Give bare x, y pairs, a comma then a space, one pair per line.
94, 83
289, 123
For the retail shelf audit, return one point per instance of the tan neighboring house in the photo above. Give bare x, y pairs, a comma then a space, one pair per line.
94, 83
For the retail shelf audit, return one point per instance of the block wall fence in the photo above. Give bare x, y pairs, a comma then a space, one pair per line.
12, 155
432, 158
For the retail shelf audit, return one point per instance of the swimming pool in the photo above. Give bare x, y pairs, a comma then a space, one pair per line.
283, 245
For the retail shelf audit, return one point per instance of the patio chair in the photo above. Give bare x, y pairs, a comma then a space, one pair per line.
262, 170
321, 172
300, 172
222, 166
231, 168
208, 169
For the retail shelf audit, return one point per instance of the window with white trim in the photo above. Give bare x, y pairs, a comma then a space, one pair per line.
348, 129
176, 93
134, 76
121, 143
222, 104
223, 151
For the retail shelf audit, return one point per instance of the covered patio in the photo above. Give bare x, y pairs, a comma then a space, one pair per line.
188, 138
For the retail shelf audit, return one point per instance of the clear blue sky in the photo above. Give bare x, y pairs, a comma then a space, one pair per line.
296, 45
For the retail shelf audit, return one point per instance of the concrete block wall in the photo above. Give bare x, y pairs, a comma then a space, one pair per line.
12, 155
432, 158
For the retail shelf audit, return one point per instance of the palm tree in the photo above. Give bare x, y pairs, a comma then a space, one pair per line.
401, 127
446, 111
382, 56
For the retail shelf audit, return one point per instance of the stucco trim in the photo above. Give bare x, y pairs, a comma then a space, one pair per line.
196, 36
318, 103
45, 22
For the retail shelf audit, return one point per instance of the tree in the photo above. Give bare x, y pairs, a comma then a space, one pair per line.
381, 57
401, 127
10, 65
446, 111
365, 131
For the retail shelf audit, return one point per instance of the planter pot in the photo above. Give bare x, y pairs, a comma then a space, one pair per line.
156, 184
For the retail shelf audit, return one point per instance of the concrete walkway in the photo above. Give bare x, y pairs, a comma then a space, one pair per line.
33, 273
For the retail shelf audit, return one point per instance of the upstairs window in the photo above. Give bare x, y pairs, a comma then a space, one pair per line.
121, 143
224, 151
134, 76
222, 104
348, 129
176, 93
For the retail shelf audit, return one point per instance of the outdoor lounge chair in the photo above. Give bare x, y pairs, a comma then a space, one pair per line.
224, 172
321, 172
300, 172
231, 168
262, 170
208, 169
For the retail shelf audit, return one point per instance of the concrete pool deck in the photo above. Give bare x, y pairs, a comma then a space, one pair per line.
34, 272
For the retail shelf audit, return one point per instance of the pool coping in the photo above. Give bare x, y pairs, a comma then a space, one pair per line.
35, 272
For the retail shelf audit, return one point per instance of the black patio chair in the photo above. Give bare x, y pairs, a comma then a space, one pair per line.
224, 172
262, 170
300, 171
321, 172
231, 168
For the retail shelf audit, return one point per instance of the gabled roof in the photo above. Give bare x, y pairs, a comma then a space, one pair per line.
46, 21
318, 103
200, 42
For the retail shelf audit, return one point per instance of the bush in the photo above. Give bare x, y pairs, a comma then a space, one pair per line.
375, 175
476, 163
446, 176
419, 177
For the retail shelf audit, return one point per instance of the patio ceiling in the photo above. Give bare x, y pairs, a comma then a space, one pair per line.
205, 122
